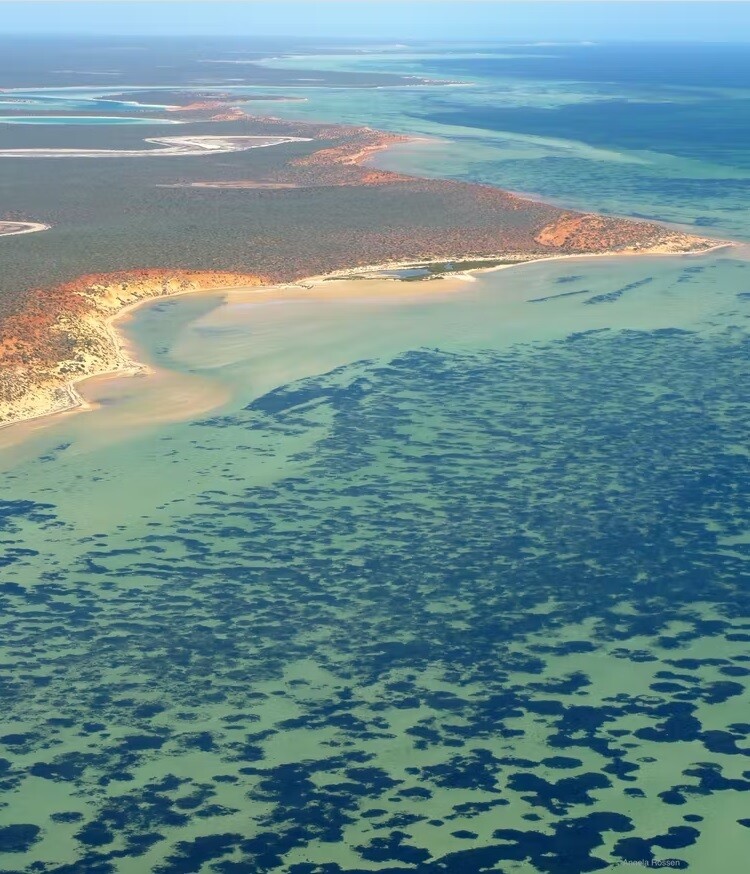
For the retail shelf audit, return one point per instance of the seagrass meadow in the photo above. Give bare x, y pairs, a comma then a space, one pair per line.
441, 576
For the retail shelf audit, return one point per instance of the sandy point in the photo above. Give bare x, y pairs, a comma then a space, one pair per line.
365, 288
12, 229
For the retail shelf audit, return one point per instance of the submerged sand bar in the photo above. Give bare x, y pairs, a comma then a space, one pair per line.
10, 229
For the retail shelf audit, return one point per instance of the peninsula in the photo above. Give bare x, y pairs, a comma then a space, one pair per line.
308, 203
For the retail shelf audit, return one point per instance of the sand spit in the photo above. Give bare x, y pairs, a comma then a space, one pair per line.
237, 184
11, 228
466, 267
201, 145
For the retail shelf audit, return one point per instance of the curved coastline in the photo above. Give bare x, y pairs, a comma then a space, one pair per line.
563, 203
66, 397
102, 300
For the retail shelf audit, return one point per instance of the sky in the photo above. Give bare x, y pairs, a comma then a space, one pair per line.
690, 20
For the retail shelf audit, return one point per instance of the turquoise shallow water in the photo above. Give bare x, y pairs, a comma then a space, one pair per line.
657, 131
451, 581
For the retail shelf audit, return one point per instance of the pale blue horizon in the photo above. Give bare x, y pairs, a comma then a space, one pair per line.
668, 20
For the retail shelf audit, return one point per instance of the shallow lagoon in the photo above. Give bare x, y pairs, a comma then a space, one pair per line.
473, 596
436, 577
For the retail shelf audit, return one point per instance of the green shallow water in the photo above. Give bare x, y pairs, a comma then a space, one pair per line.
655, 131
471, 604
442, 582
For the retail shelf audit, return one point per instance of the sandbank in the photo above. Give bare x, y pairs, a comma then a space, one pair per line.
11, 228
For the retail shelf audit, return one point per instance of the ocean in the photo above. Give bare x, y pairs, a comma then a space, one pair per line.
435, 577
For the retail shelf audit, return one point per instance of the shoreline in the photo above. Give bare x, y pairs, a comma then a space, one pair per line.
372, 271
87, 308
126, 357
127, 363
562, 204
675, 226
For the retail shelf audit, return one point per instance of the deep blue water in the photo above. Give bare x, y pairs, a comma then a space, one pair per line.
656, 131
684, 101
700, 66
708, 128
